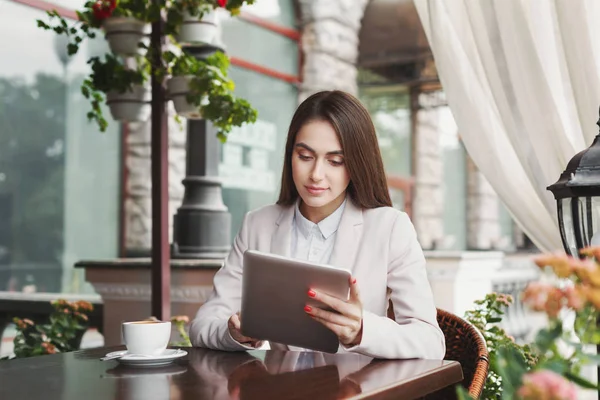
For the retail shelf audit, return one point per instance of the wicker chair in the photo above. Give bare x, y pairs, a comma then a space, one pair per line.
465, 344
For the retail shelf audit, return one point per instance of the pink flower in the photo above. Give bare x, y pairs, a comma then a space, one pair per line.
575, 297
554, 302
49, 348
590, 293
504, 299
588, 271
560, 263
85, 305
546, 385
536, 294
544, 297
82, 316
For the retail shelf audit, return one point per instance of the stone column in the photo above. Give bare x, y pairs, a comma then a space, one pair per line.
330, 44
138, 197
483, 224
428, 209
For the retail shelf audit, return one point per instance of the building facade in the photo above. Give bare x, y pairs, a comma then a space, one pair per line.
69, 192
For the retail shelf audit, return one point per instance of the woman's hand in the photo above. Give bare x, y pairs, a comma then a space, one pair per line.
234, 324
347, 325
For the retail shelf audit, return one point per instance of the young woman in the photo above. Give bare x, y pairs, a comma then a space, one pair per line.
334, 208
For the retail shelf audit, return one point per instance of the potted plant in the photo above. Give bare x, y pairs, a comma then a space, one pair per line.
62, 333
123, 83
126, 90
125, 22
200, 88
194, 22
197, 29
550, 366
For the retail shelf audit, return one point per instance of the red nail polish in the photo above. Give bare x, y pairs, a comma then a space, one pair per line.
354, 281
312, 293
307, 308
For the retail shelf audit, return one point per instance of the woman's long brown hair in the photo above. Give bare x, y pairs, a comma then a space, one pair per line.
355, 131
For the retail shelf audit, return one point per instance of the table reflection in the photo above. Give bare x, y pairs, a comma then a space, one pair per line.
207, 374
143, 383
276, 374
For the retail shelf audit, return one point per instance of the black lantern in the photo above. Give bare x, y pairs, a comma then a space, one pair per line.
577, 194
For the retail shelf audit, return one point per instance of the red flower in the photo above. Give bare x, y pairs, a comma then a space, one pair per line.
222, 3
49, 348
85, 305
103, 9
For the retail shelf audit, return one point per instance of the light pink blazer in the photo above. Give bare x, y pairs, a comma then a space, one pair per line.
378, 245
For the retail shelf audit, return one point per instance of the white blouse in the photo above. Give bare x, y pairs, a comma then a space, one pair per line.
314, 242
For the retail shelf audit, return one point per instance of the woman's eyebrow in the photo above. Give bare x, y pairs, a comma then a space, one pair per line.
329, 153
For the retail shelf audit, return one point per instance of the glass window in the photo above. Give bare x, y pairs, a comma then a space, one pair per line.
454, 183
59, 176
260, 46
390, 111
507, 227
278, 11
252, 158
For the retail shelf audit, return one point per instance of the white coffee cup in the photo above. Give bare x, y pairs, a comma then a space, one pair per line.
149, 338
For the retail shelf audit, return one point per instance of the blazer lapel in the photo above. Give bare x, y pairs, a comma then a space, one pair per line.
347, 237
281, 241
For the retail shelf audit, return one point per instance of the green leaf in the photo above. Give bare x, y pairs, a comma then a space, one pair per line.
593, 358
72, 49
511, 366
462, 393
580, 381
547, 337
558, 366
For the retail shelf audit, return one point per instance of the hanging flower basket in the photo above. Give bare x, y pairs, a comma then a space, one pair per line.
202, 89
124, 35
178, 88
130, 106
194, 30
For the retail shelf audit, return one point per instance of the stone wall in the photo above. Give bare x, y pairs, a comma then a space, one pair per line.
428, 208
483, 228
138, 190
330, 44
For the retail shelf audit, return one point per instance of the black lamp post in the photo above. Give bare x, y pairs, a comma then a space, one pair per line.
577, 194
202, 225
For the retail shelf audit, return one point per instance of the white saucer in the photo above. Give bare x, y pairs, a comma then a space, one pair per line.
167, 357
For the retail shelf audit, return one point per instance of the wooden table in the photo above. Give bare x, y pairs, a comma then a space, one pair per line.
207, 374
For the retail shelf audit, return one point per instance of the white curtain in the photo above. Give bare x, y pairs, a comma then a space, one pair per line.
522, 80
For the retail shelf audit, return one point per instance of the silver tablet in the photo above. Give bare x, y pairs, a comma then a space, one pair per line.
274, 293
